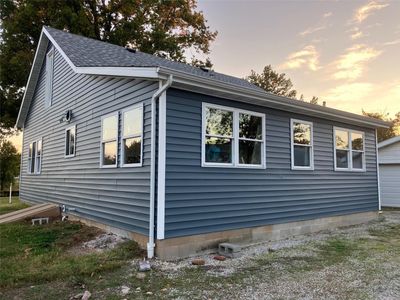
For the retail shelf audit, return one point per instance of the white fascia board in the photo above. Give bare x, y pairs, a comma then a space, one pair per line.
33, 78
389, 142
286, 103
137, 72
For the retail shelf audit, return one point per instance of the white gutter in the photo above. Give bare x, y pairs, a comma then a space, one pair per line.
150, 244
377, 170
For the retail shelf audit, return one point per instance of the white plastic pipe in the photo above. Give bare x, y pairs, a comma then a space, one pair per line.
150, 244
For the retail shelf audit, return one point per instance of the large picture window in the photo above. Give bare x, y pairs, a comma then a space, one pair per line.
132, 140
35, 157
302, 145
232, 137
70, 141
349, 150
109, 138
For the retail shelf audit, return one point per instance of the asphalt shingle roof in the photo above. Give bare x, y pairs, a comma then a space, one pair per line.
86, 52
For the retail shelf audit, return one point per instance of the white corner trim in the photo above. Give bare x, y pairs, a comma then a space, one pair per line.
162, 135
311, 167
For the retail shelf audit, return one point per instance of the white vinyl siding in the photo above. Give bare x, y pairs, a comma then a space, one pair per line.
232, 137
49, 78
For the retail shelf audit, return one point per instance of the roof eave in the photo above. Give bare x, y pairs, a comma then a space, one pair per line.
181, 79
389, 142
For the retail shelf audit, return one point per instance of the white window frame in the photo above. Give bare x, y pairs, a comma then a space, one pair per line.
65, 139
37, 168
116, 114
349, 151
49, 78
292, 144
141, 106
235, 138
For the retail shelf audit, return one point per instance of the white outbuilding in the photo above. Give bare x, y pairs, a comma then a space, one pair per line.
389, 171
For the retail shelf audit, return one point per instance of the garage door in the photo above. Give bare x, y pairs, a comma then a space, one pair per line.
390, 185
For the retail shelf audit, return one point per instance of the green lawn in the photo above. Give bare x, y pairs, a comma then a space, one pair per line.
358, 262
16, 204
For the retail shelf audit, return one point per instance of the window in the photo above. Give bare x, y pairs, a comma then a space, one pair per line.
70, 141
302, 145
35, 157
49, 78
131, 141
232, 137
109, 137
349, 150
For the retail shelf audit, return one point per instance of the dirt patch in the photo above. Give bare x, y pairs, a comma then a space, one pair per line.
100, 243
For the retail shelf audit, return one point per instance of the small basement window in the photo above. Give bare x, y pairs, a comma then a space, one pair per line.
109, 138
302, 145
349, 150
35, 157
70, 141
49, 78
232, 137
132, 140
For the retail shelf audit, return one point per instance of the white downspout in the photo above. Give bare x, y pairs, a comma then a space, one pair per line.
377, 170
150, 244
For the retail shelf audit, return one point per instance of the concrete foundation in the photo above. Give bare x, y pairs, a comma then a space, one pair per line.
202, 243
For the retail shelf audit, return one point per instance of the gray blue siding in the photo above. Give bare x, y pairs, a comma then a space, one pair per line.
205, 199
114, 196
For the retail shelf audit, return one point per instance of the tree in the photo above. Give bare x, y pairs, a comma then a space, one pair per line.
386, 133
164, 28
273, 82
9, 163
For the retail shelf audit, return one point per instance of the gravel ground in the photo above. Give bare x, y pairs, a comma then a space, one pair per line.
376, 275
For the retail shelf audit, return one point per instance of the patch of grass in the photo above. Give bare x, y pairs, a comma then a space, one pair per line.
16, 204
37, 254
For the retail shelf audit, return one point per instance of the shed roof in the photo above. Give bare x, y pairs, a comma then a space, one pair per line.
389, 142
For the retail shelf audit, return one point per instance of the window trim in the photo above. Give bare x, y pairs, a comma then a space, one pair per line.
133, 165
292, 144
116, 114
36, 170
235, 138
65, 140
349, 151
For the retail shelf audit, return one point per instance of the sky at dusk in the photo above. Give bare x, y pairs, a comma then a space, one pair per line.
345, 52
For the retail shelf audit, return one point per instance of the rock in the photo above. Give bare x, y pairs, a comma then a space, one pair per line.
144, 265
86, 295
164, 290
219, 257
77, 296
140, 275
149, 293
138, 289
198, 262
125, 290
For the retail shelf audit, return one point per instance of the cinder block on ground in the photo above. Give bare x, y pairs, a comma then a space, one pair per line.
229, 250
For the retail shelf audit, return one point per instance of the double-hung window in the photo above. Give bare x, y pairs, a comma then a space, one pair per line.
232, 137
302, 145
349, 150
70, 141
35, 157
131, 141
109, 138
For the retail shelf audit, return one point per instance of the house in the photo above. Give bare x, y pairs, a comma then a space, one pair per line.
389, 171
182, 158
